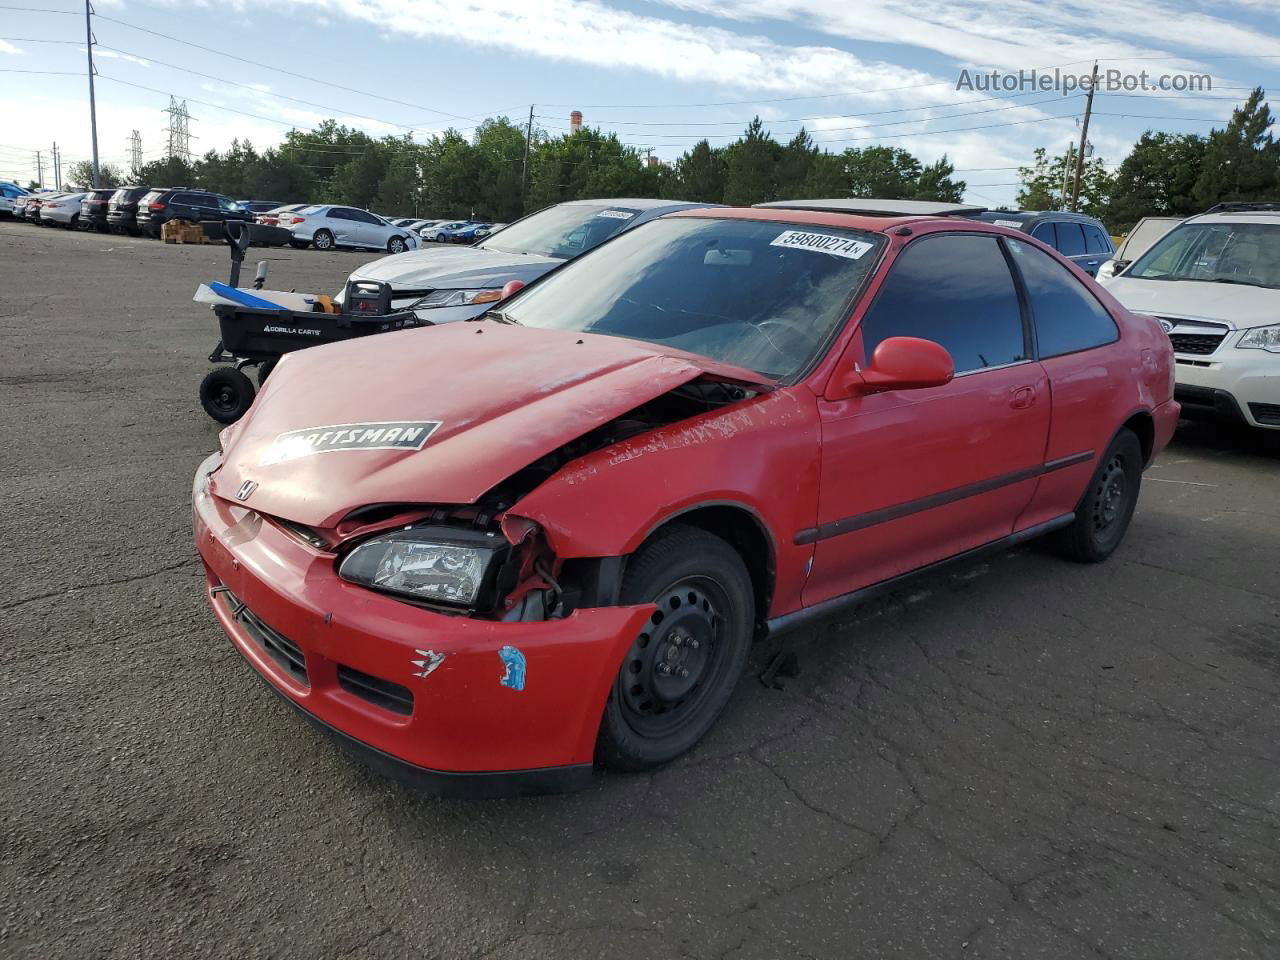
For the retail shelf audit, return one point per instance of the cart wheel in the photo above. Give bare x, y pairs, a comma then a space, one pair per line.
264, 371
225, 394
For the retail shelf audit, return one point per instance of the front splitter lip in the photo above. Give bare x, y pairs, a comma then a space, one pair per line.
446, 783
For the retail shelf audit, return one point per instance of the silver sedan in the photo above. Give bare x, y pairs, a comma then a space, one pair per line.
326, 227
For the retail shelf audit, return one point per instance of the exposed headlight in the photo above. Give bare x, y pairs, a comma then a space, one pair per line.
433, 564
458, 298
1261, 338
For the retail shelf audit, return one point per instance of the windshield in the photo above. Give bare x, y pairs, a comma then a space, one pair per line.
1247, 253
562, 231
762, 295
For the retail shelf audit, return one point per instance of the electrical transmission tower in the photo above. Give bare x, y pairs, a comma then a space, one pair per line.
135, 151
179, 132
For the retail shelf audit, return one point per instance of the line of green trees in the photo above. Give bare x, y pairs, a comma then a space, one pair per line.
484, 174
1170, 174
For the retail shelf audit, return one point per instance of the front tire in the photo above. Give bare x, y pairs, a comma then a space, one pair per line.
1103, 516
323, 240
680, 671
225, 394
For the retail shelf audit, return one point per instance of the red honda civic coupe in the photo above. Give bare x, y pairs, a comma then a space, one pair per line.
490, 555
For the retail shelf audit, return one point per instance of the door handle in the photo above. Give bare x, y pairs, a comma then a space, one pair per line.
1094, 263
1022, 397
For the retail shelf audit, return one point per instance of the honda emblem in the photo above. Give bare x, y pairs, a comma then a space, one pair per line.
246, 489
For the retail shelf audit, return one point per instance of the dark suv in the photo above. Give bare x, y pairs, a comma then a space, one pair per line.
122, 209
1081, 239
182, 203
93, 209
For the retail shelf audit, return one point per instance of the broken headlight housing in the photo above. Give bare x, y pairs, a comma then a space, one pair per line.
434, 564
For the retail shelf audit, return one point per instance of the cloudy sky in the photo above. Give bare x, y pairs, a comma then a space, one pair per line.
662, 73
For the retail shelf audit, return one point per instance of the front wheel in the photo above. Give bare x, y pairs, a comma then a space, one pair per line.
323, 240
396, 245
225, 394
1107, 506
681, 668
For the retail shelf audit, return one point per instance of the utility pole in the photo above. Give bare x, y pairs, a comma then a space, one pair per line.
39, 169
1066, 175
524, 170
179, 131
57, 168
1084, 138
93, 107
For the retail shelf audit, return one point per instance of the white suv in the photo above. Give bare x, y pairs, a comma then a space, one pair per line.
1213, 282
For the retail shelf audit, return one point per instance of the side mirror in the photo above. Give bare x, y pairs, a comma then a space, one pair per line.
511, 288
904, 363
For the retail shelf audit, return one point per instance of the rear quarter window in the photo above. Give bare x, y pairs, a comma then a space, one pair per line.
1067, 317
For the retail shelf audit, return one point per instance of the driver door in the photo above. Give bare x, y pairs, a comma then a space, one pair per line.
911, 477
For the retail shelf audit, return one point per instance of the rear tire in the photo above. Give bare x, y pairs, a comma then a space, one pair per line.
681, 669
323, 240
396, 245
225, 394
299, 244
1104, 512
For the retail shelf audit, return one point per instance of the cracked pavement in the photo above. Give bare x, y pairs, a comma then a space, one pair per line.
1021, 758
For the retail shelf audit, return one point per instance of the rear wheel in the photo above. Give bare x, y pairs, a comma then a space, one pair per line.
682, 667
323, 240
1107, 506
225, 394
396, 245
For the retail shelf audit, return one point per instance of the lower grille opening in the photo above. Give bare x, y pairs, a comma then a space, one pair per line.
381, 693
1268, 413
275, 645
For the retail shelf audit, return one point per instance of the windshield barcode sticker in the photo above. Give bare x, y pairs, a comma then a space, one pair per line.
616, 214
822, 243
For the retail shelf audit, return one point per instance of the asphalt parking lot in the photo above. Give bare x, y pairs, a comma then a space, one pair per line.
1020, 759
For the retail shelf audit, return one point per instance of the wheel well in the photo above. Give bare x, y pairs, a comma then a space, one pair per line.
1144, 428
743, 531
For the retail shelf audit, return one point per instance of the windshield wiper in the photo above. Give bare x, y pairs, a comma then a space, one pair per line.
499, 316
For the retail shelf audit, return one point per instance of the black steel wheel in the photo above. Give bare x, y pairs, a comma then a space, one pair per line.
225, 394
681, 668
1103, 516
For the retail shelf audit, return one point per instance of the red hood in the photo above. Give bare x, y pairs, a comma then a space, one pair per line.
502, 396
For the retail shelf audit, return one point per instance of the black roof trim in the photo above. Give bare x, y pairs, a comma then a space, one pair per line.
876, 208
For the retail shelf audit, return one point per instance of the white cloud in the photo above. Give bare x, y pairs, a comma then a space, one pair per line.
6, 47
108, 54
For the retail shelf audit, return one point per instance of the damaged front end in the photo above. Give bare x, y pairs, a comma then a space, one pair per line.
482, 561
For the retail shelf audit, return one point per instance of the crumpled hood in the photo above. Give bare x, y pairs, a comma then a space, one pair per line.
469, 403
1238, 305
447, 267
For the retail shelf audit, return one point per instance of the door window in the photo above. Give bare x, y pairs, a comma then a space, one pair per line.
1095, 240
956, 290
1044, 233
1070, 239
337, 213
1067, 317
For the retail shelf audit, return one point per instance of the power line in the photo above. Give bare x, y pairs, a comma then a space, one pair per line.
290, 73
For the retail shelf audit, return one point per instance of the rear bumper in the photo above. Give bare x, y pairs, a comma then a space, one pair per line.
352, 661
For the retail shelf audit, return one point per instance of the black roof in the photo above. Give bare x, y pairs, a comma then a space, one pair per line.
877, 208
1029, 216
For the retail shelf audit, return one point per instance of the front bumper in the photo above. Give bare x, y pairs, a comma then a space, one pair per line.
459, 729
1243, 384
